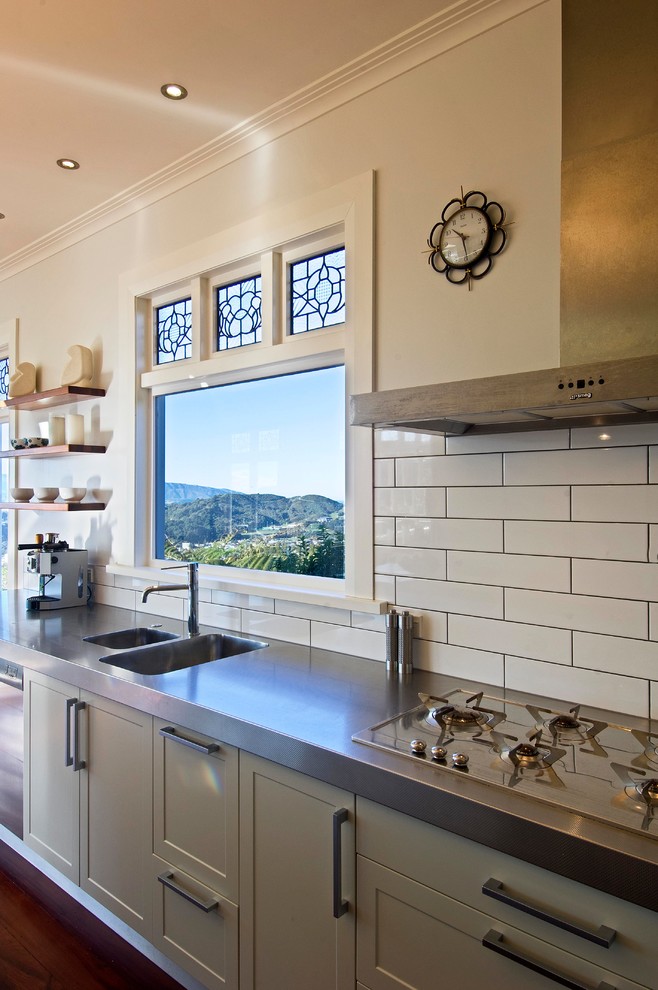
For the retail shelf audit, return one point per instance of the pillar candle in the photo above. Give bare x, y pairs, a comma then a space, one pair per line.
75, 428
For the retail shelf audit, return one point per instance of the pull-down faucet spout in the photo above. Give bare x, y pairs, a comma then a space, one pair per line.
192, 588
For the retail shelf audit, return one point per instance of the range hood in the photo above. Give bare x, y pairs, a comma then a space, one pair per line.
603, 394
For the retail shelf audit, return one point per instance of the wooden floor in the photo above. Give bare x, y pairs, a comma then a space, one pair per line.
49, 942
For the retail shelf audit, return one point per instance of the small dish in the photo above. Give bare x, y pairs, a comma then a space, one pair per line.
46, 494
73, 494
28, 443
21, 494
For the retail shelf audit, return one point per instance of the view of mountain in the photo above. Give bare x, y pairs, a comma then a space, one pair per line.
203, 520
175, 492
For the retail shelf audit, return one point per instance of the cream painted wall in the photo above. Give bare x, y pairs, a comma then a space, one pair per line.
484, 115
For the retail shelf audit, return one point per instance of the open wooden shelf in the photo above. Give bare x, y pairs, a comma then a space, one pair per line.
54, 397
55, 506
55, 451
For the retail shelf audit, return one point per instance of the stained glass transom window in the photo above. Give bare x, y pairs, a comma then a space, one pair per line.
173, 327
239, 313
4, 378
317, 292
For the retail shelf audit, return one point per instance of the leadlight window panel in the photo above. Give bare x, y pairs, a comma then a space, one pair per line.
239, 316
317, 291
173, 330
4, 378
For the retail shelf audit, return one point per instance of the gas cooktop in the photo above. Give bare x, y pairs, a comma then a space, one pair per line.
602, 770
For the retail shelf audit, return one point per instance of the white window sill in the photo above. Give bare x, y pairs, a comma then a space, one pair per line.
265, 590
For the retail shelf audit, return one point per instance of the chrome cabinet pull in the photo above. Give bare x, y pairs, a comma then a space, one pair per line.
341, 907
167, 880
603, 936
171, 733
494, 940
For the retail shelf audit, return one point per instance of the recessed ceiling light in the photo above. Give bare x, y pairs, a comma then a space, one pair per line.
68, 163
173, 91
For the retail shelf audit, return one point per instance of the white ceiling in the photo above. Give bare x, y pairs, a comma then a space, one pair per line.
81, 79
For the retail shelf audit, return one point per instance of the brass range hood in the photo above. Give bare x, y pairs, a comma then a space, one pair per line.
604, 394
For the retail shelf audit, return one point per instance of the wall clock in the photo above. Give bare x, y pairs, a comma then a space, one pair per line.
469, 234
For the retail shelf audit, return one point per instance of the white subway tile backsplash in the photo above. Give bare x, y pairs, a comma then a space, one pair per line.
653, 544
321, 613
653, 465
605, 541
397, 443
220, 615
472, 665
528, 502
489, 442
615, 436
410, 562
538, 642
608, 466
432, 625
614, 503
106, 594
616, 579
361, 642
384, 587
450, 596
170, 605
384, 472
653, 622
264, 624
635, 657
450, 534
384, 531
576, 685
510, 570
576, 611
410, 502
479, 469
235, 599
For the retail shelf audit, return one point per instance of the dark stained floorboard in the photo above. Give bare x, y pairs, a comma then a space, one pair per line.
50, 942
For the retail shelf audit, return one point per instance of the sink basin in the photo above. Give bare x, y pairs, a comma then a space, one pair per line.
128, 639
161, 658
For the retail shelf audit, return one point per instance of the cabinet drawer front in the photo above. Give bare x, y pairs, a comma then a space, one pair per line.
460, 868
203, 940
411, 936
196, 806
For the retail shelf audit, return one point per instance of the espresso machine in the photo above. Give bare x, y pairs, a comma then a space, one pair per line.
62, 574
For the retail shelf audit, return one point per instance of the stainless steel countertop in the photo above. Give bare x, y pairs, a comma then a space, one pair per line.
299, 707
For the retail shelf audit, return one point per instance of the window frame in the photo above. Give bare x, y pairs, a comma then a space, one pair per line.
9, 349
340, 216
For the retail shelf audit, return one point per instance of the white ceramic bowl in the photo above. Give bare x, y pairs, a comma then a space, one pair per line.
21, 494
46, 494
24, 443
73, 494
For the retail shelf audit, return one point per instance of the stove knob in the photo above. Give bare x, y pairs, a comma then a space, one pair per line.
418, 746
439, 752
459, 759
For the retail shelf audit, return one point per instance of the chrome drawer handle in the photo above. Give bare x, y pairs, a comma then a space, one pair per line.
603, 936
167, 880
494, 940
73, 759
171, 733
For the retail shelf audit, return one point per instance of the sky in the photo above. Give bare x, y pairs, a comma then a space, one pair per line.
284, 435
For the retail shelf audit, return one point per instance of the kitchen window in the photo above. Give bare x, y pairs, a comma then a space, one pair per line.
242, 443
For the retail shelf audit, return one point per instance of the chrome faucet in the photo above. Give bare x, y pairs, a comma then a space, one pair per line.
192, 587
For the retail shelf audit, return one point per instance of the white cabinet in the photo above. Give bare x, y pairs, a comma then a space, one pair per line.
88, 779
424, 917
194, 869
297, 907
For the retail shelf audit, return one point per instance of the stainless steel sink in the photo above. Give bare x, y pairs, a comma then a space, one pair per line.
127, 639
161, 658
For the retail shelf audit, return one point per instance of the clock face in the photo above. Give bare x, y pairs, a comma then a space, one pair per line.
465, 237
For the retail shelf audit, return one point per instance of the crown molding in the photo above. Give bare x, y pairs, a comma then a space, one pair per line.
462, 21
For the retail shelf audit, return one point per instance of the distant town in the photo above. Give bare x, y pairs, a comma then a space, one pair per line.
303, 534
